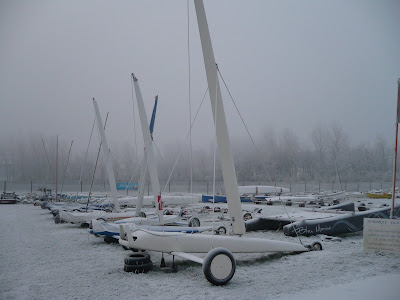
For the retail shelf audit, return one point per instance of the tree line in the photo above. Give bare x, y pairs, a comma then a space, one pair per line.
275, 157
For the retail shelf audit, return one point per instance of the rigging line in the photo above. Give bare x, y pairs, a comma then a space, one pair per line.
133, 173
134, 120
95, 167
256, 148
142, 180
84, 161
183, 144
214, 154
190, 103
66, 166
48, 162
158, 150
36, 155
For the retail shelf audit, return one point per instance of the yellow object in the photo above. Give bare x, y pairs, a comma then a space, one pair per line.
379, 195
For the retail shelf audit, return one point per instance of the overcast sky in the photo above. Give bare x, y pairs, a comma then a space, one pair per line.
288, 64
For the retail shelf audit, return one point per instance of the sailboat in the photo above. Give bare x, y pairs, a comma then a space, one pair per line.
219, 264
159, 222
116, 214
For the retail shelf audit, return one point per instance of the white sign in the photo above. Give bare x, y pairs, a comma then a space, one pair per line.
382, 235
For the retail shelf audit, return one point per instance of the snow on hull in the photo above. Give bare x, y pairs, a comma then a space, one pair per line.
86, 217
112, 229
340, 224
202, 243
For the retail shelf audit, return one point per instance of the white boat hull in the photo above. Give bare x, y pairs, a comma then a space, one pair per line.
86, 217
168, 242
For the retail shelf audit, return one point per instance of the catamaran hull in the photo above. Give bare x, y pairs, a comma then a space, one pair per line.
202, 243
341, 224
112, 229
82, 217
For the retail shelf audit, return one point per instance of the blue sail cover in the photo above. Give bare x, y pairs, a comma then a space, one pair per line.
153, 116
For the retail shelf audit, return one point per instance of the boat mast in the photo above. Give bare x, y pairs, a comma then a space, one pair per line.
143, 168
395, 150
148, 145
106, 153
221, 128
56, 168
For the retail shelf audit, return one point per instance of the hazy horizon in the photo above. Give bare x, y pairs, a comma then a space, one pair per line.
289, 66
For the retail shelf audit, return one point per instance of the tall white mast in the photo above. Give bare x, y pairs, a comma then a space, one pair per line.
143, 169
148, 145
395, 150
106, 153
221, 128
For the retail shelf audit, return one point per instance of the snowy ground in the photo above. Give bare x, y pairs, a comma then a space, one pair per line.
43, 260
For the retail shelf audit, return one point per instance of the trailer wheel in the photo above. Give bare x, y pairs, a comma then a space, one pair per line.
247, 216
137, 259
219, 266
194, 222
316, 246
220, 230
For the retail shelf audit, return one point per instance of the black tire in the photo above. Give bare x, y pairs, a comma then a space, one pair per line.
247, 216
194, 222
220, 230
137, 259
142, 214
316, 246
139, 268
213, 265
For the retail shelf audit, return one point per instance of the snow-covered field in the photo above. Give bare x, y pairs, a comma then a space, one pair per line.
43, 260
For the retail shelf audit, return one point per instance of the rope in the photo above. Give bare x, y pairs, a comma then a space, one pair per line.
190, 105
214, 156
134, 120
84, 161
184, 143
95, 167
66, 166
256, 148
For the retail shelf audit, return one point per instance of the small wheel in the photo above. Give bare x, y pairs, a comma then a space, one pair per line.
142, 214
137, 269
194, 222
316, 246
137, 259
247, 216
220, 230
219, 266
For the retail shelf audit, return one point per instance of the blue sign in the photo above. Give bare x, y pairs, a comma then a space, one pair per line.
127, 186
